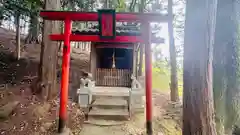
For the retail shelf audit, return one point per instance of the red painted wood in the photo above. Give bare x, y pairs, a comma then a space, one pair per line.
107, 25
65, 74
96, 38
93, 16
148, 75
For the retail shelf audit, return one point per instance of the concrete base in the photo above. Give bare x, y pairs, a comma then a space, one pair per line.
84, 97
111, 91
109, 108
133, 98
136, 100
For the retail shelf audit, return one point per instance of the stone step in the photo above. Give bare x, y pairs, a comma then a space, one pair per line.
103, 122
110, 94
108, 112
110, 102
111, 91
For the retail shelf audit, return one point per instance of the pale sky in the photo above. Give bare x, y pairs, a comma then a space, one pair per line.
164, 34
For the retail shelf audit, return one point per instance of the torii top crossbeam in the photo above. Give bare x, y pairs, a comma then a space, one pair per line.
108, 31
93, 16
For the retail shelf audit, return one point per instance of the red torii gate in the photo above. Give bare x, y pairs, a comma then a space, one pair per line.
69, 16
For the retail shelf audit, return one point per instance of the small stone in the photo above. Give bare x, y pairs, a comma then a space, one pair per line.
10, 93
7, 109
47, 125
3, 132
1, 95
73, 104
14, 114
41, 110
14, 127
42, 129
2, 86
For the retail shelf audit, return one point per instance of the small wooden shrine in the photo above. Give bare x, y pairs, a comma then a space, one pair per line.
113, 63
113, 60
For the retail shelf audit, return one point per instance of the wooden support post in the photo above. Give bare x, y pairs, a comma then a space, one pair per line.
134, 60
18, 38
148, 75
137, 61
93, 61
65, 77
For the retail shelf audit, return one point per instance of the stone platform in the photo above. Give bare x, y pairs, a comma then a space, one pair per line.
110, 102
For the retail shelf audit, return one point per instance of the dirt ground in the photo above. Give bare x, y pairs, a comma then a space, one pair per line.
31, 116
20, 111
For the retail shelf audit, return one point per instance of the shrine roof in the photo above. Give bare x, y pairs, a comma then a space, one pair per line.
121, 30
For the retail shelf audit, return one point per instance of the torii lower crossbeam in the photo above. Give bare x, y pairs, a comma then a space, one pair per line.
96, 38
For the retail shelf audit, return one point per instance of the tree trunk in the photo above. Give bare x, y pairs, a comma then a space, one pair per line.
141, 10
46, 84
106, 4
226, 67
198, 109
232, 67
33, 31
222, 36
132, 6
18, 38
172, 50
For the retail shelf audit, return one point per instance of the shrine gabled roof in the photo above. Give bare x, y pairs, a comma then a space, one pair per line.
121, 30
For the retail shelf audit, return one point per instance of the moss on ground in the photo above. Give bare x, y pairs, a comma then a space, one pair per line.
170, 122
167, 127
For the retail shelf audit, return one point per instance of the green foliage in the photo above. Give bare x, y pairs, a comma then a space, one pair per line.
162, 66
78, 5
161, 80
1, 13
21, 7
16, 7
121, 6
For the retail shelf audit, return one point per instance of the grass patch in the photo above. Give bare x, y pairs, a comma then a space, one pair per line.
161, 80
180, 86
